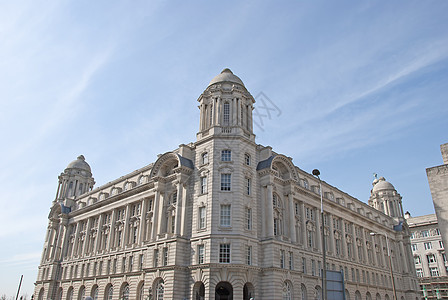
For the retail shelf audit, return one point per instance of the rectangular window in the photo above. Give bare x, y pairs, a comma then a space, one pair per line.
417, 260
291, 261
248, 218
201, 254
114, 266
282, 259
202, 217
434, 271
440, 244
425, 233
304, 265
95, 266
165, 256
313, 267
419, 272
249, 255
130, 263
123, 265
225, 182
247, 159
156, 257
140, 262
248, 186
108, 267
226, 155
414, 247
224, 253
226, 113
225, 215
428, 245
431, 258
87, 269
204, 185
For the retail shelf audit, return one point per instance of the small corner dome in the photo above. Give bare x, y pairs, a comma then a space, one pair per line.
79, 163
382, 184
226, 76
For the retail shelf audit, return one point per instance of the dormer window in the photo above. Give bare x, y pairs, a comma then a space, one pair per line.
226, 155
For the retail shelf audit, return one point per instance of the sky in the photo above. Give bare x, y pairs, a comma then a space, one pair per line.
358, 87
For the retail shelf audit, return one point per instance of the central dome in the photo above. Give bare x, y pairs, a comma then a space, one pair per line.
226, 76
382, 184
79, 163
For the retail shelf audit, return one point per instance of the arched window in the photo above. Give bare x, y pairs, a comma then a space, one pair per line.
357, 295
82, 293
287, 294
125, 292
141, 292
303, 292
109, 293
59, 294
160, 289
41, 294
204, 158
95, 292
318, 292
70, 293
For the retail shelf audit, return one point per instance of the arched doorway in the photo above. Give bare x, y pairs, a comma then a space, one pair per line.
199, 291
224, 291
248, 291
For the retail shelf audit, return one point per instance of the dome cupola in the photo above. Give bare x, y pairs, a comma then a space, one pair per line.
226, 76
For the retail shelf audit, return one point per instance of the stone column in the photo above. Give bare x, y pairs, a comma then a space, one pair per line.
318, 237
142, 229
331, 240
269, 211
292, 219
99, 233
343, 240
303, 223
62, 237
87, 236
184, 221
155, 221
179, 205
110, 242
75, 244
126, 238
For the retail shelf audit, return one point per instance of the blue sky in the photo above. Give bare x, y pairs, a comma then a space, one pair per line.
361, 85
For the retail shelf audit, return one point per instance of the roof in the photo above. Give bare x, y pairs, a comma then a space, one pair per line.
226, 76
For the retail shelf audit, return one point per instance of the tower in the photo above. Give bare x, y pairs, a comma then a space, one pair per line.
386, 199
226, 108
74, 181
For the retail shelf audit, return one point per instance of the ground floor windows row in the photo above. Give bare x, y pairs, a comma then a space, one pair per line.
110, 292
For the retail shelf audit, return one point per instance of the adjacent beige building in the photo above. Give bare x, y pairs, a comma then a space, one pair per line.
220, 218
429, 256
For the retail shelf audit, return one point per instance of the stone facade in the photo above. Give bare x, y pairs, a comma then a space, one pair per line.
438, 184
220, 218
429, 256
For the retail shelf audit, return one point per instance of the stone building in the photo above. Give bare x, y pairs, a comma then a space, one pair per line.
220, 218
438, 184
429, 255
